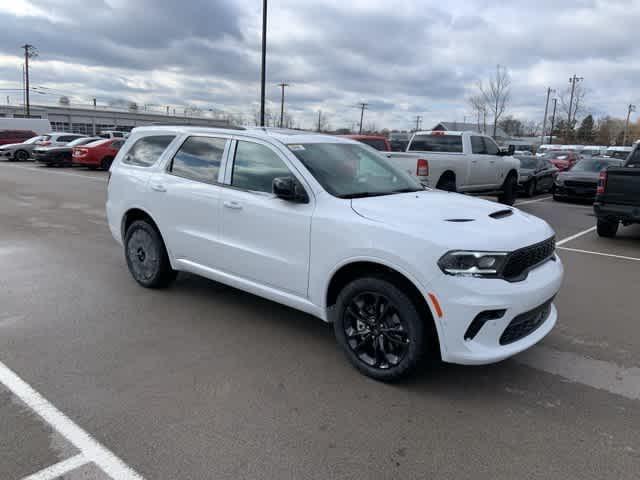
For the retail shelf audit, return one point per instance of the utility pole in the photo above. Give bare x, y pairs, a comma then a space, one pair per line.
282, 85
363, 108
573, 80
264, 60
29, 52
95, 104
553, 120
630, 108
319, 119
546, 110
418, 120
167, 110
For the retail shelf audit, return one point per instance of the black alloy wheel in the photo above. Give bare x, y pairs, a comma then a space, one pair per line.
147, 257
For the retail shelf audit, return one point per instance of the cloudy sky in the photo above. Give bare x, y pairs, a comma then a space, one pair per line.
403, 57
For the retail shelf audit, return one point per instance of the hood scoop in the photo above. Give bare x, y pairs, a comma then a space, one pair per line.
501, 214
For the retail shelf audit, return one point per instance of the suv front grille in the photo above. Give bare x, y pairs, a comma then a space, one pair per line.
520, 261
525, 323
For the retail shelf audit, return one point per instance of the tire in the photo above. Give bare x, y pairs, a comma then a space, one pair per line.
447, 184
607, 228
21, 156
105, 164
531, 187
394, 344
146, 256
509, 191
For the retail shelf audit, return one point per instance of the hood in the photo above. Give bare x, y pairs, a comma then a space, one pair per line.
455, 221
9, 145
580, 176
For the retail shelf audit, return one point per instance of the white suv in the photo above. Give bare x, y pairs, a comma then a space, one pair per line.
326, 225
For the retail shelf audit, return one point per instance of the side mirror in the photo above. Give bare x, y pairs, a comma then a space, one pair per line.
287, 188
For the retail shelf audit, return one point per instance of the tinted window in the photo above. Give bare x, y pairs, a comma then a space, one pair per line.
490, 146
66, 138
436, 143
377, 144
199, 159
477, 145
595, 164
255, 166
118, 134
117, 143
81, 141
146, 151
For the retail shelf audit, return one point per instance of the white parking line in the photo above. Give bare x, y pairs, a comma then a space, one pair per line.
573, 237
91, 450
60, 468
532, 201
622, 257
53, 172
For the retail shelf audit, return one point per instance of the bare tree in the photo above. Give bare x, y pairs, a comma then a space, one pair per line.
476, 102
579, 104
496, 94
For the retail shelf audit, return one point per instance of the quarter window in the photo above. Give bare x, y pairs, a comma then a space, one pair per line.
255, 166
146, 151
199, 159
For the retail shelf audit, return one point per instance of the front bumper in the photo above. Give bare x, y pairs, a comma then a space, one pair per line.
463, 298
586, 193
6, 154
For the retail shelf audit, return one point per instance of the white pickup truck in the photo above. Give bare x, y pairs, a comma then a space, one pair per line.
465, 162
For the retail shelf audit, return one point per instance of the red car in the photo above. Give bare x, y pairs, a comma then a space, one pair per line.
98, 154
9, 137
376, 141
562, 159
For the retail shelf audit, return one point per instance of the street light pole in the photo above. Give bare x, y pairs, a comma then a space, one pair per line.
282, 85
29, 52
631, 108
264, 60
553, 120
546, 110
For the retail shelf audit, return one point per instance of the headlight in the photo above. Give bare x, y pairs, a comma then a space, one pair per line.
474, 264
559, 181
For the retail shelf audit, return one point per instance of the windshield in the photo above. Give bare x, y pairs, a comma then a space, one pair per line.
527, 162
348, 170
436, 143
556, 156
618, 154
95, 143
595, 164
34, 139
80, 141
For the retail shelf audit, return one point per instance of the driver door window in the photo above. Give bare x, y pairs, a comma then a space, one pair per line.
255, 166
477, 146
491, 148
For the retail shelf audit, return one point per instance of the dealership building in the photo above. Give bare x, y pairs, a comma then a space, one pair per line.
90, 120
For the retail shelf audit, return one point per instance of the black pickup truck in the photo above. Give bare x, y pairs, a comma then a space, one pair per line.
618, 195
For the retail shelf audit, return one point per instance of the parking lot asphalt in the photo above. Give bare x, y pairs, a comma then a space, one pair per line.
204, 381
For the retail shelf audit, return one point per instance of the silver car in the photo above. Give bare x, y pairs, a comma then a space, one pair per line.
20, 151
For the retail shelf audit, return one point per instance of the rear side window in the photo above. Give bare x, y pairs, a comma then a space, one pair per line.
199, 159
255, 166
477, 145
436, 143
146, 151
66, 138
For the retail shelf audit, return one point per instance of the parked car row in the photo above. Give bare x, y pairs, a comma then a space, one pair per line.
67, 149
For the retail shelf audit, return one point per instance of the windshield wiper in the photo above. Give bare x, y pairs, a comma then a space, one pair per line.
363, 194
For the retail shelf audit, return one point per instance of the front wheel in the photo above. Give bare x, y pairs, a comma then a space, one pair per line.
21, 156
105, 164
607, 228
379, 329
146, 256
509, 189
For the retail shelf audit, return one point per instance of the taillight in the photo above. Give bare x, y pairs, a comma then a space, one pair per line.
602, 182
422, 168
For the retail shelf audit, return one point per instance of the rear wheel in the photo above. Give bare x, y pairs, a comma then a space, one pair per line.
607, 228
447, 183
379, 329
146, 256
509, 189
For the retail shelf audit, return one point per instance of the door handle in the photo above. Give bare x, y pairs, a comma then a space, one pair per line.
232, 205
158, 187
